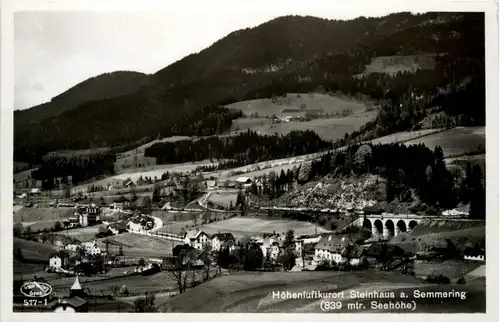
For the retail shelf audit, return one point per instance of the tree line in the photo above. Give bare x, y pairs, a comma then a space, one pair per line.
245, 148
79, 167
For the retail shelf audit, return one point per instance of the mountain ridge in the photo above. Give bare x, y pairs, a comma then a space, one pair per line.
217, 75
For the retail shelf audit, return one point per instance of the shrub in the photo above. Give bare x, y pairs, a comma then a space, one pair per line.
432, 212
461, 280
438, 279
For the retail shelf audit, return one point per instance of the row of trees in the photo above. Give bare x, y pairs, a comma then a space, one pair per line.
79, 167
248, 147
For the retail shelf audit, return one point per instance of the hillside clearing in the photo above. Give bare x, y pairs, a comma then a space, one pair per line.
292, 103
403, 136
454, 141
327, 128
33, 250
394, 64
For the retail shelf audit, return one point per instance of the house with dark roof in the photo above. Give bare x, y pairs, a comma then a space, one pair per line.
69, 305
329, 248
219, 239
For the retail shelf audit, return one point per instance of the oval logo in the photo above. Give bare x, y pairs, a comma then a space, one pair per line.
36, 289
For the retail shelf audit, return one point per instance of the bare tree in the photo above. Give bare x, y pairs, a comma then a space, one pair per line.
180, 273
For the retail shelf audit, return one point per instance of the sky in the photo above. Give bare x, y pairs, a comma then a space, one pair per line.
55, 50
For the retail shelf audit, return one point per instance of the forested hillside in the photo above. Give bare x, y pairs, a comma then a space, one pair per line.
289, 54
95, 88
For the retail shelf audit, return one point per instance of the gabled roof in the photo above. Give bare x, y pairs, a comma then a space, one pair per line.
332, 242
75, 302
223, 236
193, 234
243, 179
228, 243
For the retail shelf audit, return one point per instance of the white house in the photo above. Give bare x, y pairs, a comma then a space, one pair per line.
35, 192
299, 247
135, 226
197, 239
219, 239
271, 247
55, 261
91, 248
275, 250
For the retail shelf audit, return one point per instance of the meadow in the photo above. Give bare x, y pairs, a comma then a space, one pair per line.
140, 245
454, 141
31, 215
293, 102
251, 292
393, 64
223, 198
250, 226
327, 128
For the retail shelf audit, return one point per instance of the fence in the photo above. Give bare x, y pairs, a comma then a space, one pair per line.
168, 236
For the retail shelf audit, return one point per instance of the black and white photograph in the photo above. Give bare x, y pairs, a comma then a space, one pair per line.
315, 161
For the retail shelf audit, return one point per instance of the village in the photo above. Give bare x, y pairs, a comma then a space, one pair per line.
359, 245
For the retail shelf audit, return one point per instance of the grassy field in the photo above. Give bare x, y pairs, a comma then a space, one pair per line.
450, 268
455, 141
20, 166
33, 250
403, 136
23, 175
393, 64
150, 171
30, 215
83, 234
250, 226
252, 292
142, 148
479, 159
223, 198
435, 226
326, 128
141, 245
161, 281
134, 160
177, 227
40, 225
327, 103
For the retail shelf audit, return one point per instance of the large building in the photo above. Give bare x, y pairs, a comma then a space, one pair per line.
196, 239
88, 215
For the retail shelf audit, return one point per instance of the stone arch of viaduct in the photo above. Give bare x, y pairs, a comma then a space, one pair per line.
390, 226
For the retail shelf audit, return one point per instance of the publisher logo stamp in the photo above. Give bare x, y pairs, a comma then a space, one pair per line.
36, 289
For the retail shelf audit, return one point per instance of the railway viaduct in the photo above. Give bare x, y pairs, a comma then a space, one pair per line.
389, 225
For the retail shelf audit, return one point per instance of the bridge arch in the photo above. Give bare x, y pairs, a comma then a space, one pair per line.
389, 229
367, 224
412, 224
401, 226
378, 228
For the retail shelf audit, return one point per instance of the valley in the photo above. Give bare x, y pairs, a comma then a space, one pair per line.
270, 161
